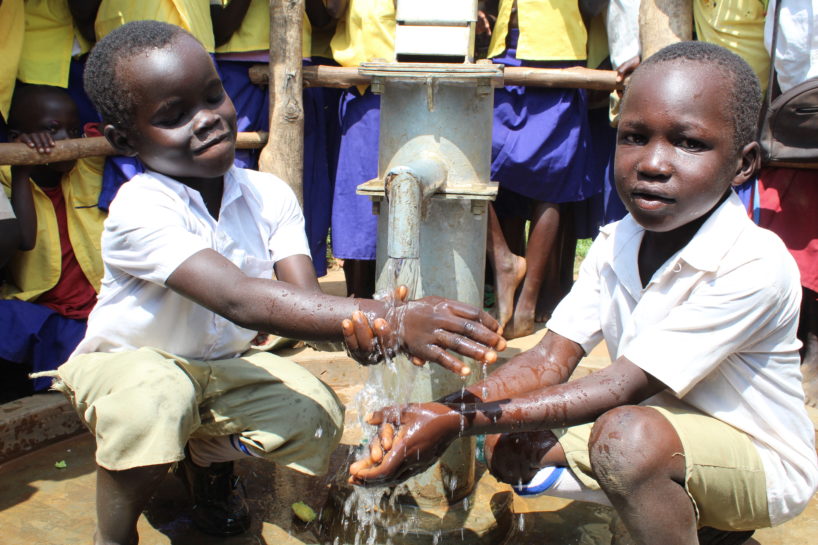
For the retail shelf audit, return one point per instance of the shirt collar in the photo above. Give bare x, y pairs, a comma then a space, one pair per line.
716, 235
704, 252
234, 187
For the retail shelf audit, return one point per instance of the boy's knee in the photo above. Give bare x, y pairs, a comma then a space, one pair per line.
632, 444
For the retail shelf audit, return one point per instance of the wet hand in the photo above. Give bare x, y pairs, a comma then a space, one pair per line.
368, 343
428, 327
424, 432
515, 458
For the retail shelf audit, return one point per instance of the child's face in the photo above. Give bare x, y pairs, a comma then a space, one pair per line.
54, 113
675, 153
184, 125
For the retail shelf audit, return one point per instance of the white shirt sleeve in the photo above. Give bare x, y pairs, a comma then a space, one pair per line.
147, 246
721, 317
6, 211
577, 316
288, 236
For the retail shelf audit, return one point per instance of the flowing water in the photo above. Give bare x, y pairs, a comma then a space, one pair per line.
389, 383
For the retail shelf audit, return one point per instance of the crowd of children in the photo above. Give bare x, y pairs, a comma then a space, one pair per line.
217, 228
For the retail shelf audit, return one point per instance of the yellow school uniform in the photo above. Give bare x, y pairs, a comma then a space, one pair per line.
192, 15
36, 271
12, 24
550, 30
737, 25
366, 32
254, 32
48, 44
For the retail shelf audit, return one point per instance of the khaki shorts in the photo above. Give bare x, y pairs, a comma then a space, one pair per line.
723, 473
143, 406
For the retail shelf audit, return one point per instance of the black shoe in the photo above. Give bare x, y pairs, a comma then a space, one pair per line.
219, 508
711, 536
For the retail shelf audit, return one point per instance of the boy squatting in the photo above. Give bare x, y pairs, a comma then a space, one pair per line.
700, 419
189, 248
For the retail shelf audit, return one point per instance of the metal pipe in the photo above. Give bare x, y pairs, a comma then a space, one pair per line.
408, 189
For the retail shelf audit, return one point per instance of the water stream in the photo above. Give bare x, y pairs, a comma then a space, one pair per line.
389, 383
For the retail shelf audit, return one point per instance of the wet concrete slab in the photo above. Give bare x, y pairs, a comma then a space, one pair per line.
47, 496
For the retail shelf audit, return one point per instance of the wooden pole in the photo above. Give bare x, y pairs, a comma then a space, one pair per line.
347, 76
663, 22
76, 148
283, 155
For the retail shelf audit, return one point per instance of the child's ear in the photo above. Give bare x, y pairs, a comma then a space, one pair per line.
118, 138
749, 165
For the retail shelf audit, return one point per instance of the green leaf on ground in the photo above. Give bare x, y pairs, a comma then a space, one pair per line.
304, 512
61, 464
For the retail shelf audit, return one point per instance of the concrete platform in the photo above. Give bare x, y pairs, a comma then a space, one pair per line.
47, 494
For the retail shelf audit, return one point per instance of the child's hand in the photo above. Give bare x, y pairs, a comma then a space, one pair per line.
515, 458
425, 431
42, 142
425, 329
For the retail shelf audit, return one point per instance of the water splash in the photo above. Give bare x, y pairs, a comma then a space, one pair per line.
370, 511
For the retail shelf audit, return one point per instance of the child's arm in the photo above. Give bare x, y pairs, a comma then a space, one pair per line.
227, 19
22, 199
335, 8
430, 326
84, 13
9, 230
425, 430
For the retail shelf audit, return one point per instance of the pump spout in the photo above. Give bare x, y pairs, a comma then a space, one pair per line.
408, 189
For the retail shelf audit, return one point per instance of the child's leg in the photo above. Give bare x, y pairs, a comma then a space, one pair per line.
360, 277
121, 497
541, 238
808, 333
639, 462
508, 268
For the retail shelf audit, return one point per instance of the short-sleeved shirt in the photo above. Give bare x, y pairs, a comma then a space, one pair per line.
717, 324
550, 30
154, 224
796, 53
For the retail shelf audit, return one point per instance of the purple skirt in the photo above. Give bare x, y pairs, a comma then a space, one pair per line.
606, 206
540, 138
38, 336
354, 226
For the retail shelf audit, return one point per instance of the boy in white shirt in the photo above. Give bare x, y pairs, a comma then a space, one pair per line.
700, 419
189, 248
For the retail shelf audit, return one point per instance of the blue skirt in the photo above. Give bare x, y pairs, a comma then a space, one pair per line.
354, 226
540, 137
606, 206
36, 335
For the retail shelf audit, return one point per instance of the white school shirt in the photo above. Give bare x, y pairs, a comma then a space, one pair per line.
155, 223
6, 210
796, 52
717, 324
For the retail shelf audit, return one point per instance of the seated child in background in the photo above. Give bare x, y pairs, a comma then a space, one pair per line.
189, 249
53, 278
700, 419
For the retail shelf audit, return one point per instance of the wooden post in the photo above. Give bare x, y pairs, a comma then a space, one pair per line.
663, 22
283, 155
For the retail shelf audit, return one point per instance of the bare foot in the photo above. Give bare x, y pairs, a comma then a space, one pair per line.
507, 278
521, 323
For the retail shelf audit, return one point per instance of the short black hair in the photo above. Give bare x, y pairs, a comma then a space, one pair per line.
25, 92
745, 100
113, 101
